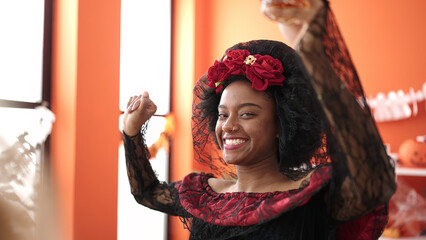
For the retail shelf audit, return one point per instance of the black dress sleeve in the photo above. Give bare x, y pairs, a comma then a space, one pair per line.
363, 174
144, 185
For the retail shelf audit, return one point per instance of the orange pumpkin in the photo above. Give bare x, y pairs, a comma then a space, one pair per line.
413, 153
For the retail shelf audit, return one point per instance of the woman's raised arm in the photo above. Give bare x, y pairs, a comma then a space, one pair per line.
367, 179
364, 175
145, 186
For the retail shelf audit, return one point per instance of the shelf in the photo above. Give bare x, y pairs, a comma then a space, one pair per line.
404, 171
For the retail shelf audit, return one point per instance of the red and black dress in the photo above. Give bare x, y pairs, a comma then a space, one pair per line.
296, 214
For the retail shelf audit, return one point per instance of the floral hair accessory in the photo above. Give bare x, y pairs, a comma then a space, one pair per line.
262, 70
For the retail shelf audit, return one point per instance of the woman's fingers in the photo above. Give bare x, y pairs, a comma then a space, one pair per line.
131, 100
131, 103
145, 101
145, 94
147, 105
139, 110
136, 103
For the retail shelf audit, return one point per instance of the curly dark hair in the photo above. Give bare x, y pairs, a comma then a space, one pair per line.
297, 109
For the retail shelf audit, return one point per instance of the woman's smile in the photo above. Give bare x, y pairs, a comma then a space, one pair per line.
233, 143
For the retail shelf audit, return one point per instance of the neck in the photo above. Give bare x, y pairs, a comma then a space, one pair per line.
260, 177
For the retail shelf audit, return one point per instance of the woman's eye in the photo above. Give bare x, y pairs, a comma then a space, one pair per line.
247, 115
221, 115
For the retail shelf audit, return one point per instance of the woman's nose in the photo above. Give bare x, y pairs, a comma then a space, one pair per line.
230, 125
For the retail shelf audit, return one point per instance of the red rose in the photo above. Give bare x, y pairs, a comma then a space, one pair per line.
262, 71
217, 74
265, 71
235, 61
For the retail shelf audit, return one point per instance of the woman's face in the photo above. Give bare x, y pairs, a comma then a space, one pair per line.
247, 128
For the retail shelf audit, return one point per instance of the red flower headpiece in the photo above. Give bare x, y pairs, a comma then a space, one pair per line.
261, 70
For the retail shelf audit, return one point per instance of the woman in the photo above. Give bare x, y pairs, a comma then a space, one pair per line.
308, 161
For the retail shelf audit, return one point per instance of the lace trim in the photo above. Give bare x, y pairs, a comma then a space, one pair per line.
240, 208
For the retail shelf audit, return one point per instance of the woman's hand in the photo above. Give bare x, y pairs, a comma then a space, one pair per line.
293, 16
139, 110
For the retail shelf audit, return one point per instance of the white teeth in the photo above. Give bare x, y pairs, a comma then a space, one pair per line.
234, 141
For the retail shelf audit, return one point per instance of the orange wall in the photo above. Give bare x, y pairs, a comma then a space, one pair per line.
386, 41
183, 18
85, 137
64, 66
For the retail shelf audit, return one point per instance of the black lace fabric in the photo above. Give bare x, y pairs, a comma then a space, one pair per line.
144, 185
364, 175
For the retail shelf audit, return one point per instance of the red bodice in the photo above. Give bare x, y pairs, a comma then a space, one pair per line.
241, 208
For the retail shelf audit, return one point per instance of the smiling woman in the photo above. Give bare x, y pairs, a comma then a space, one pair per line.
293, 154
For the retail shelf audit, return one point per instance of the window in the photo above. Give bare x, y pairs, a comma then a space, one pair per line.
144, 66
22, 25
25, 123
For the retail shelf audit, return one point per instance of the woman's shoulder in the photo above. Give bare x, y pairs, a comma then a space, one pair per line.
196, 180
201, 201
195, 177
205, 182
